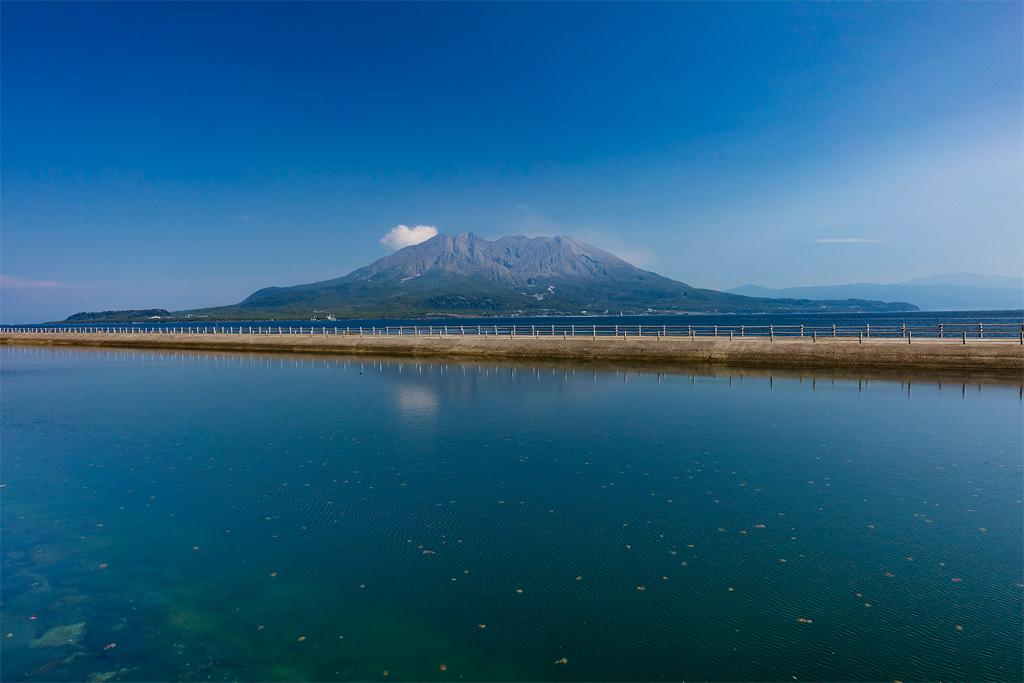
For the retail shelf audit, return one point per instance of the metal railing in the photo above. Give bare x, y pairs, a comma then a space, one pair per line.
862, 333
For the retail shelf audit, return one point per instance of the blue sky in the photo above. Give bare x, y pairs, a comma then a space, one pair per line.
182, 155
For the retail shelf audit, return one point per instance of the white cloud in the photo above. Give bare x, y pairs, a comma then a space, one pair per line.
12, 282
846, 240
403, 236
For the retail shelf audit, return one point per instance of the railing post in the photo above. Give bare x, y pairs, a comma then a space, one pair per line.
814, 336
981, 330
940, 331
771, 333
964, 333
833, 329
730, 335
742, 331
867, 328
593, 329
860, 337
716, 330
910, 336
801, 330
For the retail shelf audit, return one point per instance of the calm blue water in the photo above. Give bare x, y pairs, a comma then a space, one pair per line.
244, 517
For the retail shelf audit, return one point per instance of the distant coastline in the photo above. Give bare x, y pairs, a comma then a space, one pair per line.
112, 317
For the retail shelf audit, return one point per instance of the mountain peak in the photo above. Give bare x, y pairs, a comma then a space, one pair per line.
513, 260
464, 272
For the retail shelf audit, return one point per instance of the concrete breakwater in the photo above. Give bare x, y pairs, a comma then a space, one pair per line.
1001, 356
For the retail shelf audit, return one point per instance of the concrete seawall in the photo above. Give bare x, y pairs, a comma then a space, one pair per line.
991, 356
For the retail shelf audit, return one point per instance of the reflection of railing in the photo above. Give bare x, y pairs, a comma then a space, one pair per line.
962, 332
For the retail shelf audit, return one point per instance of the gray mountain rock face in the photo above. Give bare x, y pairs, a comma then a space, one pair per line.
468, 275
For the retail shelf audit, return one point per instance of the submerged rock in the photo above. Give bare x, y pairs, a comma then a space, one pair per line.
103, 677
59, 636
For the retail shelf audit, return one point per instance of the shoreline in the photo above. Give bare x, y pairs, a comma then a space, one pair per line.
1002, 357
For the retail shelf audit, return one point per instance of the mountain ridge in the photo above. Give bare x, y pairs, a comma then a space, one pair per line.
465, 274
944, 292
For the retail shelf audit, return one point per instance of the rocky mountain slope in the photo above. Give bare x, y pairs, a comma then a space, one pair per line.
468, 275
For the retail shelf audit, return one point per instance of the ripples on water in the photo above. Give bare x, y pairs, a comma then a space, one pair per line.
219, 517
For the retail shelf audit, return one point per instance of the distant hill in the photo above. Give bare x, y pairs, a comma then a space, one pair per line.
946, 292
466, 274
120, 316
970, 280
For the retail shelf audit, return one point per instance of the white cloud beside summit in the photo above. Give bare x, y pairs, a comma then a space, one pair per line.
403, 236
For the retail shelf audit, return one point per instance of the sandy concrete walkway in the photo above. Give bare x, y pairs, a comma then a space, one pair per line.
988, 355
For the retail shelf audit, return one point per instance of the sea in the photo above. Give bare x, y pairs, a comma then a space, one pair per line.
190, 516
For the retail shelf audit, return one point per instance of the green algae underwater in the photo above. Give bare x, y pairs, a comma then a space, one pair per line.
175, 516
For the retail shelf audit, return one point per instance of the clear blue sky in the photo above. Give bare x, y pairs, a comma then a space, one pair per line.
181, 155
